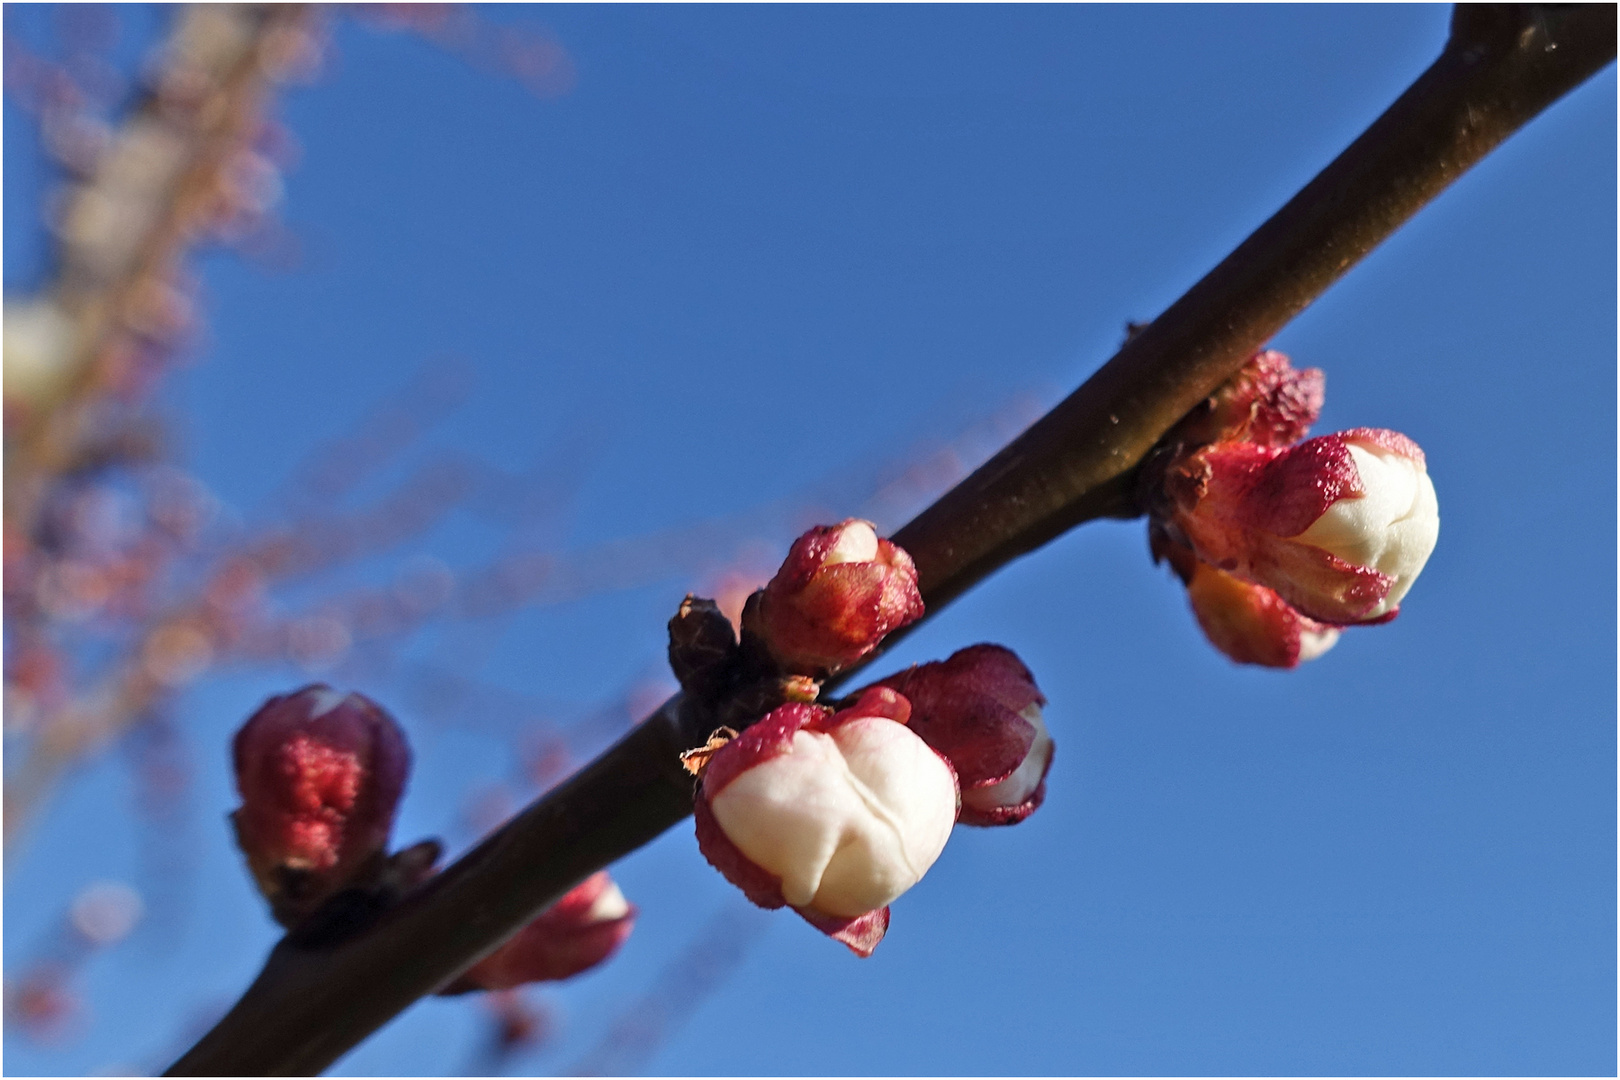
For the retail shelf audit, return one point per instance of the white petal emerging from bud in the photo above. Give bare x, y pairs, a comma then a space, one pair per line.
1338, 526
1018, 787
848, 819
981, 710
611, 904
1313, 643
1391, 528
857, 542
838, 593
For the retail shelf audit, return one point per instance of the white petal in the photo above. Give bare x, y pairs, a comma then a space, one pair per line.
323, 700
609, 904
848, 821
1313, 643
787, 814
1392, 528
911, 796
857, 543
1018, 787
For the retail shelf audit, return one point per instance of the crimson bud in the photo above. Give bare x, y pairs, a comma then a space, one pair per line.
573, 935
1267, 402
840, 591
981, 710
320, 774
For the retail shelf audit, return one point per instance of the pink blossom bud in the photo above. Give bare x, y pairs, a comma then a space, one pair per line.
841, 590
981, 710
1253, 625
573, 935
320, 774
1267, 402
1339, 526
833, 814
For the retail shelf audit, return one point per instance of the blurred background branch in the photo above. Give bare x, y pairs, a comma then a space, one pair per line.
128, 583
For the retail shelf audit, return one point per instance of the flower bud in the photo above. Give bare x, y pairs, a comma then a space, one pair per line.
1339, 526
841, 590
1267, 402
573, 935
981, 710
320, 774
702, 645
833, 814
1250, 623
1253, 625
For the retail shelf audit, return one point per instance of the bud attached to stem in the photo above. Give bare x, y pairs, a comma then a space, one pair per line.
320, 775
840, 591
1339, 526
1268, 403
1249, 623
702, 646
833, 814
981, 710
578, 932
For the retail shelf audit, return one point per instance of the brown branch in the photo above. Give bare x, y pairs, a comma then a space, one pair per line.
1501, 66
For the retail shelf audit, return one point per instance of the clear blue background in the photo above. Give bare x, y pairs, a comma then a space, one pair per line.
758, 248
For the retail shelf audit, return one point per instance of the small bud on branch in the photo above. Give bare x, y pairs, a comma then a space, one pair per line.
1268, 403
702, 646
575, 934
981, 710
320, 774
841, 590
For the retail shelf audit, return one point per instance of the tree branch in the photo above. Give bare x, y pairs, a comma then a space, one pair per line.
1501, 67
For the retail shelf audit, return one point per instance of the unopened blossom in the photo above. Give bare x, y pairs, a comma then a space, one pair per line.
1250, 623
320, 774
1339, 526
981, 710
573, 935
832, 814
702, 645
840, 591
1268, 402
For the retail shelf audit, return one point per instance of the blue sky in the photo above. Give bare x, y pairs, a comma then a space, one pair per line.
758, 253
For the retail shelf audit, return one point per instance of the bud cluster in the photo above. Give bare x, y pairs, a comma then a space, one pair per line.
320, 775
1281, 540
837, 811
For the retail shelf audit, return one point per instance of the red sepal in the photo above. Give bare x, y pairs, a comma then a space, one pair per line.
861, 934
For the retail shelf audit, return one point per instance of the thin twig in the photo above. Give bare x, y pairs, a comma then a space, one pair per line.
1501, 66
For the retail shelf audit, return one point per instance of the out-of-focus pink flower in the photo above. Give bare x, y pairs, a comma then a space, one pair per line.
320, 774
981, 709
1339, 526
833, 814
573, 935
42, 1004
841, 590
